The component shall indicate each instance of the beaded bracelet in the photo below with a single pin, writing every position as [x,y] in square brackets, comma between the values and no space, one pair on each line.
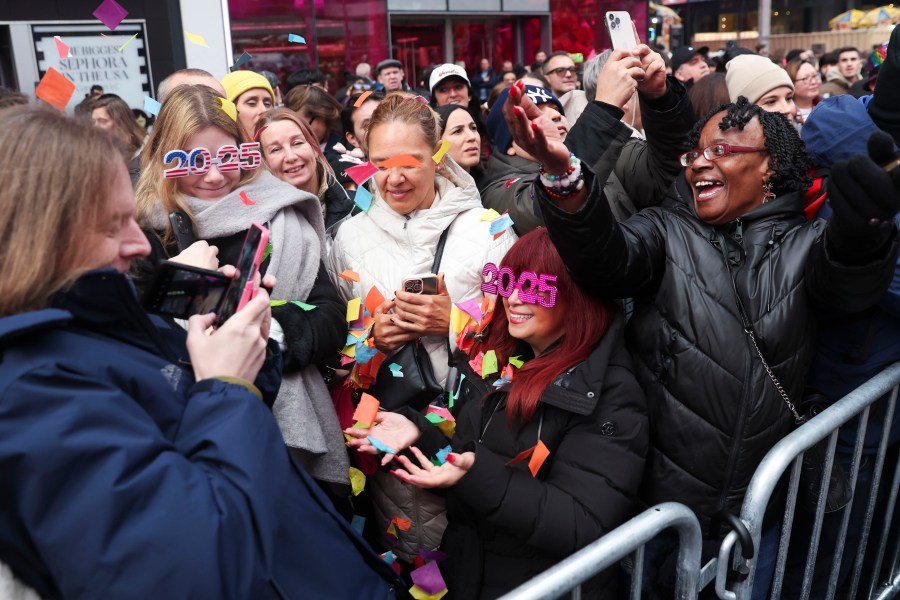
[568,184]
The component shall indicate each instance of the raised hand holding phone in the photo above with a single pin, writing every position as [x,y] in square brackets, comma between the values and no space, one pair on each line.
[244,288]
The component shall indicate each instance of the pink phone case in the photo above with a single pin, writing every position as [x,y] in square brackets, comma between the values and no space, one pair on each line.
[250,288]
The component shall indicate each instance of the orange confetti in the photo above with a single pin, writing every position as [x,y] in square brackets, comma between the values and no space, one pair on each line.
[350,275]
[366,410]
[359,101]
[403,524]
[402,160]
[373,300]
[537,459]
[55,89]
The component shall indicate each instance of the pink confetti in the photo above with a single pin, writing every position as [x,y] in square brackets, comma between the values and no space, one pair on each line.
[110,13]
[361,173]
[429,578]
[61,47]
[472,308]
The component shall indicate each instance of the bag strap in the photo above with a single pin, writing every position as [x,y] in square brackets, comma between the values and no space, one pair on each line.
[439,249]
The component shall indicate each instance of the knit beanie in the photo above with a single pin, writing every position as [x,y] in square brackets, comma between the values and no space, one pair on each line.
[752,76]
[238,82]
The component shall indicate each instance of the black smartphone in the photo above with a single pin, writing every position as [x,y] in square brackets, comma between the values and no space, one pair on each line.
[182,291]
[182,229]
[423,284]
[244,287]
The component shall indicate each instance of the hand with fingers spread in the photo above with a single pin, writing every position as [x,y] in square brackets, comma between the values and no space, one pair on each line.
[618,79]
[652,83]
[387,334]
[394,430]
[427,475]
[534,131]
[423,314]
[199,254]
[237,349]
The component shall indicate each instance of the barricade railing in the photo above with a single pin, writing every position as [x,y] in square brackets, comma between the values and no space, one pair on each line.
[626,539]
[788,452]
[630,538]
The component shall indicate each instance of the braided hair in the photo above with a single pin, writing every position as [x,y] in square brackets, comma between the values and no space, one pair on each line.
[787,152]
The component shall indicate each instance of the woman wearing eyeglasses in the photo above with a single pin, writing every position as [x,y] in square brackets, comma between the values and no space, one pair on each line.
[726,280]
[807,84]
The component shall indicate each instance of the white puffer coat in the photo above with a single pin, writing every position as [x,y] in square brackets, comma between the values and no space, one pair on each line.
[384,248]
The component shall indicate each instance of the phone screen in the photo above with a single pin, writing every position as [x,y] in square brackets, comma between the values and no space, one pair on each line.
[180,292]
[246,267]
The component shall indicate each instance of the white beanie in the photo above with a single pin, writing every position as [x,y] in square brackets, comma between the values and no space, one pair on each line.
[752,76]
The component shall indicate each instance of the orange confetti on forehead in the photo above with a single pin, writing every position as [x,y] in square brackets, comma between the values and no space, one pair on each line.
[402,160]
[359,101]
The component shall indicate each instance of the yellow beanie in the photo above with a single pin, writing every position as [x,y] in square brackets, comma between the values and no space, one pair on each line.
[238,82]
[753,76]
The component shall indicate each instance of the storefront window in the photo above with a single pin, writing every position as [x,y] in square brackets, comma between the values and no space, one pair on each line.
[339,35]
[578,24]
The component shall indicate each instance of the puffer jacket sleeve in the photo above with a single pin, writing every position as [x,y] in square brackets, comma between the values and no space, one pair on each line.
[608,259]
[590,487]
[514,197]
[113,507]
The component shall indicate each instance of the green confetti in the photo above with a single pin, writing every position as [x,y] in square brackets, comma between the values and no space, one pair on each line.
[489,364]
[267,252]
[277,302]
[516,361]
[435,418]
[303,305]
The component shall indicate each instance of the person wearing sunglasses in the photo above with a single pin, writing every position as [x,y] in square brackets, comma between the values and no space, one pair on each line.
[728,280]
[561,72]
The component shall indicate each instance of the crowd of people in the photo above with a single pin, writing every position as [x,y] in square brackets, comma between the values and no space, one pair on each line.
[499,313]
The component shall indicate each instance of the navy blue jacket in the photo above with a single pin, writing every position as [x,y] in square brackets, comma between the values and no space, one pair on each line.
[123,477]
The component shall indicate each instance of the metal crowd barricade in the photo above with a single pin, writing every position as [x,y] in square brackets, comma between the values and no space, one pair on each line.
[568,575]
[789,453]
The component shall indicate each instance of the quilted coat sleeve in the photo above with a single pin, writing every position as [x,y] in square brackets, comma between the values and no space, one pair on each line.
[114,509]
[606,258]
[591,484]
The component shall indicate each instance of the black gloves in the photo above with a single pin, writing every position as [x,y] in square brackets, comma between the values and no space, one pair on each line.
[865,200]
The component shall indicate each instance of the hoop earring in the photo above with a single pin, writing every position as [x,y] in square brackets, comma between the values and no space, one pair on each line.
[768,194]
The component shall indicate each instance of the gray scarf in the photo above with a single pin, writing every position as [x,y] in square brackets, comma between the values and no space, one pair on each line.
[303,408]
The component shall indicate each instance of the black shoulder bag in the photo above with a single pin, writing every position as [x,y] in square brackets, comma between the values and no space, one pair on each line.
[418,387]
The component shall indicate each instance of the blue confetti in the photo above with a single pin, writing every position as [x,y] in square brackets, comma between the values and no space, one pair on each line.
[395,370]
[442,454]
[502,223]
[351,340]
[151,106]
[389,557]
[364,353]
[379,445]
[245,57]
[363,198]
[358,523]
[293,37]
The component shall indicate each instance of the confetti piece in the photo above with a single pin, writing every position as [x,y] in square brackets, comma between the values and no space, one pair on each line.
[476,362]
[489,215]
[131,39]
[228,106]
[244,58]
[110,13]
[259,132]
[396,370]
[361,173]
[433,554]
[196,39]
[246,199]
[516,361]
[458,319]
[359,101]
[441,412]
[421,99]
[267,252]
[297,39]
[388,557]
[521,456]
[373,300]
[353,309]
[509,182]
[429,578]
[379,445]
[303,305]
[501,224]
[357,482]
[419,594]
[366,410]
[489,364]
[537,459]
[350,275]
[55,89]
[277,302]
[439,155]
[442,458]
[402,524]
[358,523]
[472,308]
[435,419]
[448,428]
[364,352]
[61,47]
[402,160]
[151,106]
[363,197]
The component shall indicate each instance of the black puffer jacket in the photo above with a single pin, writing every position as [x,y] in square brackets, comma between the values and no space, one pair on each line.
[714,412]
[506,526]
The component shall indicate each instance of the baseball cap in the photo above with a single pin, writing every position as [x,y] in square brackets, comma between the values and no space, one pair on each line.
[684,54]
[444,71]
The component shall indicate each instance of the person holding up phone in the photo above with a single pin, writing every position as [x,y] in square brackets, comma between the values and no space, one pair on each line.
[135,458]
[222,201]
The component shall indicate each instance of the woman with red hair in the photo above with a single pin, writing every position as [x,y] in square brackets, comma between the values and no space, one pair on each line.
[573,408]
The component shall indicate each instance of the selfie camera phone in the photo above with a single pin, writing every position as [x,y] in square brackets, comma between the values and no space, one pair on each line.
[181,291]
[423,284]
[244,287]
[621,30]
[182,229]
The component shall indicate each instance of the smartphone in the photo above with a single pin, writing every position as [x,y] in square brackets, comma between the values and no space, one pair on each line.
[182,291]
[243,288]
[182,229]
[621,30]
[422,284]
